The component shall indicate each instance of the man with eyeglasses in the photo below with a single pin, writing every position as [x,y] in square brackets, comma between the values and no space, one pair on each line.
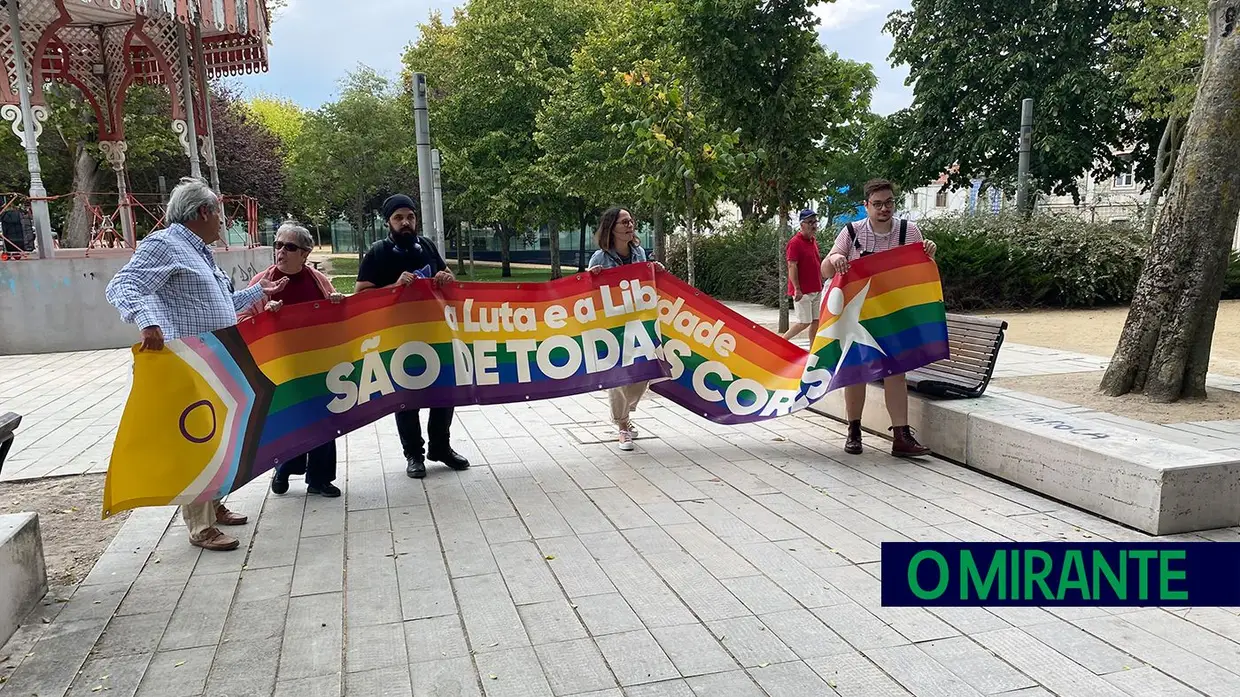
[804,276]
[877,233]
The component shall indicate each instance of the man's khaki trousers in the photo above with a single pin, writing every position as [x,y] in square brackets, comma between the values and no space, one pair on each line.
[199,516]
[623,399]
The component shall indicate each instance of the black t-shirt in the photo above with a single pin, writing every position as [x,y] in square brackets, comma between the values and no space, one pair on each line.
[385,261]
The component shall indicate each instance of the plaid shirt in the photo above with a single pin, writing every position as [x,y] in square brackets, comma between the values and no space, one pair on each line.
[172,282]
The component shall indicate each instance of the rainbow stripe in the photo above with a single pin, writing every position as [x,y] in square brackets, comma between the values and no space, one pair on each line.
[884,317]
[761,378]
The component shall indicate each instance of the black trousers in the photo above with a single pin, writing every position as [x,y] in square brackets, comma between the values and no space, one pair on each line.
[438,425]
[319,465]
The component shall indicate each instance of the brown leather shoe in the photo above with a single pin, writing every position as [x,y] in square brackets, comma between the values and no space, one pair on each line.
[852,445]
[905,445]
[223,516]
[213,540]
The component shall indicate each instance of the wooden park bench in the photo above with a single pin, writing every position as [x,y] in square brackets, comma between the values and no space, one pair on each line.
[8,424]
[974,344]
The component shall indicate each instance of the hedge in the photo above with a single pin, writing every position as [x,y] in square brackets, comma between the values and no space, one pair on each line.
[1047,260]
[986,261]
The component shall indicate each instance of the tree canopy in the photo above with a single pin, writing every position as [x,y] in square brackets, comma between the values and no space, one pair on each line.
[971,64]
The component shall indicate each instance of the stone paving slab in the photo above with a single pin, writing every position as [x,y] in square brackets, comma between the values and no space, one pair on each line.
[712,560]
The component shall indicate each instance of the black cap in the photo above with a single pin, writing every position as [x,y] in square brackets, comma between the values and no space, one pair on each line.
[396,202]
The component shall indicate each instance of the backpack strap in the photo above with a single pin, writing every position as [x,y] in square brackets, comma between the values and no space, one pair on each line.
[852,235]
[903,230]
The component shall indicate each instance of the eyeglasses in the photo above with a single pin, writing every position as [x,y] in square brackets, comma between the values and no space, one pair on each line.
[889,203]
[289,246]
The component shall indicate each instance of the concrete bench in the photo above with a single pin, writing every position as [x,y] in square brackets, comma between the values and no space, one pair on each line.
[1154,485]
[23,572]
[8,425]
[974,343]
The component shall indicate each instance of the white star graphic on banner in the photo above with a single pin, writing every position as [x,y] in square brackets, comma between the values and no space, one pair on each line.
[847,327]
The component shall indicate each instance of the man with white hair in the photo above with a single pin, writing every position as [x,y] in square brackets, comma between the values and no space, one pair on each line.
[173,288]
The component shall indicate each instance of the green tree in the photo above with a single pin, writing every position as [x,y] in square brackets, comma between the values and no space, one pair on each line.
[1164,350]
[1159,53]
[971,64]
[353,152]
[768,77]
[584,153]
[684,158]
[280,115]
[489,76]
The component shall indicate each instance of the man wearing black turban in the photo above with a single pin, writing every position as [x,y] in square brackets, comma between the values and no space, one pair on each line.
[398,260]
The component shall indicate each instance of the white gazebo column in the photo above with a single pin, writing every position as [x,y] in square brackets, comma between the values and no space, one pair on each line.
[204,91]
[30,139]
[114,151]
[189,139]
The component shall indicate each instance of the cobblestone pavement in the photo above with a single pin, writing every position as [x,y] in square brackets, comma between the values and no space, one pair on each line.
[713,560]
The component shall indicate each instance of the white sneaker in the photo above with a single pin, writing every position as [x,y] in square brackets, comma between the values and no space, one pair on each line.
[626,440]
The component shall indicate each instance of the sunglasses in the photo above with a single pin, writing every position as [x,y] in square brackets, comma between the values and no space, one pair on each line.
[289,246]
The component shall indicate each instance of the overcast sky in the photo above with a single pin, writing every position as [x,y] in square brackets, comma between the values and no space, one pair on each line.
[316,42]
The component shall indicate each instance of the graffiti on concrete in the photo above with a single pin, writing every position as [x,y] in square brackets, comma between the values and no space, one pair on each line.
[1062,425]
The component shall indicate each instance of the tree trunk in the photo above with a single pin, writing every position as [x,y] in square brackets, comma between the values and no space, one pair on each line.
[505,256]
[689,224]
[471,254]
[660,236]
[356,216]
[553,234]
[746,206]
[85,183]
[460,248]
[1164,166]
[781,244]
[581,247]
[1164,350]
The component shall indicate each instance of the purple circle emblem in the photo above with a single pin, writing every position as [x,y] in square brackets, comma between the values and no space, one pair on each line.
[185,414]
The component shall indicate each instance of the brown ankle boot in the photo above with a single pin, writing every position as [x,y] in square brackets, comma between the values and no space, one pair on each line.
[852,445]
[905,445]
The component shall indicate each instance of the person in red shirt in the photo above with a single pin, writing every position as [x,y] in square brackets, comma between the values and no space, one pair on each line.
[305,284]
[804,276]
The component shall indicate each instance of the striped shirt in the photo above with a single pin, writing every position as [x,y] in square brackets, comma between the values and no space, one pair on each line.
[868,241]
[172,282]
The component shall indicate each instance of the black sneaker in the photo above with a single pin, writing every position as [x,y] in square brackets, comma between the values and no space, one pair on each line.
[279,483]
[415,467]
[450,458]
[327,491]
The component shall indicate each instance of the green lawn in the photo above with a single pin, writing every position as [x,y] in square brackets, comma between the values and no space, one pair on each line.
[490,274]
[346,266]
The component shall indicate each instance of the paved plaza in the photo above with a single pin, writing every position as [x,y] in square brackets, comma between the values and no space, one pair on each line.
[712,560]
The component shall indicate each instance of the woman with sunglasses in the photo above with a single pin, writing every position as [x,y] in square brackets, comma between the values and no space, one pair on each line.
[305,284]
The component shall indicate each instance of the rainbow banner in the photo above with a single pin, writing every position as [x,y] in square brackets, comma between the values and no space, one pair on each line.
[884,317]
[208,414]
